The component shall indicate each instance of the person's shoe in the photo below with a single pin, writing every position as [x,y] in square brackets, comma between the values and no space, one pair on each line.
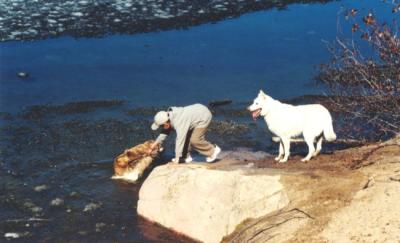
[188,159]
[213,157]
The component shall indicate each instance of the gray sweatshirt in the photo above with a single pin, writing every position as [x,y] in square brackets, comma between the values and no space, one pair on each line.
[184,119]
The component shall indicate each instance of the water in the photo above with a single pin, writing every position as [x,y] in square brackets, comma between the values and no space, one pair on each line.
[70,150]
[232,59]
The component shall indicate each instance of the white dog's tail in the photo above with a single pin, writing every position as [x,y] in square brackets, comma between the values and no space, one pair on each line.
[329,134]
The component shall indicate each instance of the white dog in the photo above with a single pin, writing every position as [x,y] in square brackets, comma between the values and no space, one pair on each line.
[288,121]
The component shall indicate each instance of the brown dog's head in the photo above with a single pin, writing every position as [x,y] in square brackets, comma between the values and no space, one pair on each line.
[127,160]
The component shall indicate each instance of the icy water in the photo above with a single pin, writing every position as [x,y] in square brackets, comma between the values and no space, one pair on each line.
[86,100]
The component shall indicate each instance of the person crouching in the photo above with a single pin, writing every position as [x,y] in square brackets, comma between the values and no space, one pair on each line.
[190,123]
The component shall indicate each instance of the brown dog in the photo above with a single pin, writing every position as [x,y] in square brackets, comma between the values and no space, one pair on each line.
[131,164]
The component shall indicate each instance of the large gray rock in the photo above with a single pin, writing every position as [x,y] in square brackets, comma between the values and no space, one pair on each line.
[207,204]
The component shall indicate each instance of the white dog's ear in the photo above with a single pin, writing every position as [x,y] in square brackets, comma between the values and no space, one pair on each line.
[262,94]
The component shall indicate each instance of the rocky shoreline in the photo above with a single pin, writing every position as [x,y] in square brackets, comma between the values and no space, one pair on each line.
[56,162]
[40,19]
[349,196]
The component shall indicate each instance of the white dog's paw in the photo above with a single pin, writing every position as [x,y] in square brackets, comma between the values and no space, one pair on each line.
[277,158]
[282,160]
[305,160]
[315,153]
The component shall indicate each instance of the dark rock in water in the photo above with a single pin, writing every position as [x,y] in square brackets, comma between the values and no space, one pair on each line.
[232,112]
[30,20]
[228,127]
[39,111]
[23,75]
[143,111]
[219,103]
[6,116]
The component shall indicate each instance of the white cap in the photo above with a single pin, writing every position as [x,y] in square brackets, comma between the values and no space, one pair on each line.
[159,119]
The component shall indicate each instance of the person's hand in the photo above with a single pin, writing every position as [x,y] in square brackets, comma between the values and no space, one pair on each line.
[153,147]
